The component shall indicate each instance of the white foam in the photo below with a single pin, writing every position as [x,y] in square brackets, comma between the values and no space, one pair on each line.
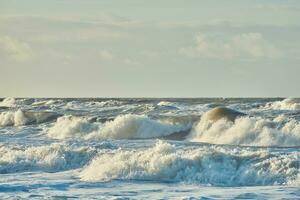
[69,127]
[12,118]
[254,131]
[122,127]
[137,126]
[19,117]
[8,102]
[53,157]
[167,103]
[286,104]
[46,102]
[165,162]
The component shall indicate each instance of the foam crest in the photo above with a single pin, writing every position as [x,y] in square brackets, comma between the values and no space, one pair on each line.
[137,126]
[122,127]
[165,162]
[255,131]
[46,102]
[286,104]
[69,127]
[48,158]
[168,104]
[8,102]
[19,117]
[12,118]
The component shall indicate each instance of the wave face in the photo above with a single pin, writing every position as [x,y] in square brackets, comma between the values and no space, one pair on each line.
[164,162]
[255,131]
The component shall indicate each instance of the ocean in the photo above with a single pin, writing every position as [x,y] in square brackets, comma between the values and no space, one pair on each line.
[143,148]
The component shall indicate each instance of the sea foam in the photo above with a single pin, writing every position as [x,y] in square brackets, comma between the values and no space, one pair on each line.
[8,102]
[286,104]
[122,127]
[255,131]
[48,158]
[20,117]
[165,162]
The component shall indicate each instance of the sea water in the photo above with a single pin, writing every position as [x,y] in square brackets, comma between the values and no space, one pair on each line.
[122,149]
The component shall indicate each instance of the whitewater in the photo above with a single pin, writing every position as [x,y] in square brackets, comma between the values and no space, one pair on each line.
[143,148]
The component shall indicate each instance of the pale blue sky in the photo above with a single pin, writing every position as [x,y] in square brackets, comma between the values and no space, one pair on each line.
[135,48]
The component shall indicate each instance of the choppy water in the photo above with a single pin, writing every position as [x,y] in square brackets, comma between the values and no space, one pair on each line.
[149,148]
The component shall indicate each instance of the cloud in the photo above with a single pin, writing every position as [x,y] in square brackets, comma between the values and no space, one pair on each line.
[13,49]
[57,30]
[106,55]
[279,7]
[132,63]
[244,46]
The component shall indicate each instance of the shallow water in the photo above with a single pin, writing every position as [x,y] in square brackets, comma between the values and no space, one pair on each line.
[121,148]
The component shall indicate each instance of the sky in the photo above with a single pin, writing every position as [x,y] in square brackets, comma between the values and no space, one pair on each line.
[157,48]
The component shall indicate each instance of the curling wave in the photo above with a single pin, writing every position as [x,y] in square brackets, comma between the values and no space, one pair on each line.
[165,162]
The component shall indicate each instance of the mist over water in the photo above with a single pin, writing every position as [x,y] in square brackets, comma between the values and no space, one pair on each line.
[85,147]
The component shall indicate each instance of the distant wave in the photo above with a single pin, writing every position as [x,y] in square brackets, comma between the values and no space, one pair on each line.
[20,117]
[165,162]
[255,131]
[78,105]
[45,102]
[122,127]
[168,104]
[286,104]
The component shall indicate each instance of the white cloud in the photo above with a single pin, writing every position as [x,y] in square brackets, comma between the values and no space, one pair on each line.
[106,55]
[79,35]
[244,46]
[278,7]
[13,49]
[57,30]
[132,63]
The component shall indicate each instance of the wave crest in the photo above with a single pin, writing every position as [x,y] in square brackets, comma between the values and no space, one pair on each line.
[286,104]
[69,127]
[19,117]
[8,102]
[254,131]
[122,127]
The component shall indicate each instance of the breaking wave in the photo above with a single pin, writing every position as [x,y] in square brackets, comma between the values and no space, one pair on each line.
[50,158]
[286,104]
[254,131]
[19,117]
[46,102]
[8,102]
[165,162]
[69,127]
[122,127]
